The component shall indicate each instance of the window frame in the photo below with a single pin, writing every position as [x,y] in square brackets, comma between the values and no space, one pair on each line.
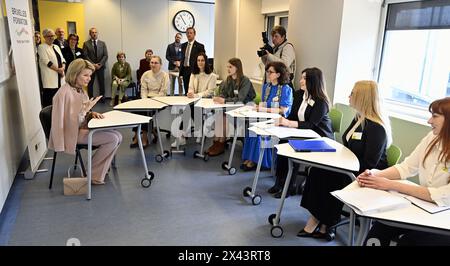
[408,112]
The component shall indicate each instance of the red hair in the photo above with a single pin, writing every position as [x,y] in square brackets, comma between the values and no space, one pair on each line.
[442,107]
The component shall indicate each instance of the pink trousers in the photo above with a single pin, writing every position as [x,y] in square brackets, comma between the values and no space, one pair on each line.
[108,142]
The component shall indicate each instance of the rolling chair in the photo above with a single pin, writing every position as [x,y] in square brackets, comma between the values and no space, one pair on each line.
[46,121]
[393,154]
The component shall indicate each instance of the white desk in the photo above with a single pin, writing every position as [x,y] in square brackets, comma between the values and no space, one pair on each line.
[342,161]
[246,115]
[411,217]
[147,104]
[208,105]
[270,138]
[177,101]
[114,120]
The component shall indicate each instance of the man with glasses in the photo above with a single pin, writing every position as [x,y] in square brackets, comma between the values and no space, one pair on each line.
[60,41]
[96,52]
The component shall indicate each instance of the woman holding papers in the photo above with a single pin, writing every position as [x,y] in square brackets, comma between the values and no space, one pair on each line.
[431,161]
[367,136]
[236,88]
[276,97]
[70,116]
[309,111]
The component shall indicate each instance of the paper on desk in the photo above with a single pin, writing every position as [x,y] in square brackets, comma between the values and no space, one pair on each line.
[264,124]
[285,132]
[427,206]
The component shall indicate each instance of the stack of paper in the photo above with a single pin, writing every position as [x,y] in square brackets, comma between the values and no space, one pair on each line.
[427,206]
[368,200]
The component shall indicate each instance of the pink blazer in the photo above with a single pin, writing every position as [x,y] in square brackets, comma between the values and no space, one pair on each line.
[67,105]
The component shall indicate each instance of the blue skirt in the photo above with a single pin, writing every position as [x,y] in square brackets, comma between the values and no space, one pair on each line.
[251,151]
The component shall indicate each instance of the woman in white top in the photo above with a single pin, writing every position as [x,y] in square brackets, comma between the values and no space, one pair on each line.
[52,66]
[431,161]
[154,82]
[201,84]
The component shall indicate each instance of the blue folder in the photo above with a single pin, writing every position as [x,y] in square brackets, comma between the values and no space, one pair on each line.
[311,146]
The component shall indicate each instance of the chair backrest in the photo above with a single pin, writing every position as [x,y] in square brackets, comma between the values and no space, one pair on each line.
[336,119]
[46,120]
[393,155]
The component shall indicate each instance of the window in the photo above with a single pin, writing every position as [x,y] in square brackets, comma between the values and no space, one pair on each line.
[415,60]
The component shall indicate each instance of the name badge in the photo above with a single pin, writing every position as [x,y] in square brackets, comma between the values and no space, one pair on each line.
[357,136]
[236,92]
[275,99]
[77,53]
[445,169]
[311,102]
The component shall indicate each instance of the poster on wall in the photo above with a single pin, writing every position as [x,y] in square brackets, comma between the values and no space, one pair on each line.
[6,63]
[22,43]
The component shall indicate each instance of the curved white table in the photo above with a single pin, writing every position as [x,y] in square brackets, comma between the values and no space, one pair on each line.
[342,161]
[114,120]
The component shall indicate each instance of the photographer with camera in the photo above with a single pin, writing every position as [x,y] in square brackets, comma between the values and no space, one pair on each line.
[283,51]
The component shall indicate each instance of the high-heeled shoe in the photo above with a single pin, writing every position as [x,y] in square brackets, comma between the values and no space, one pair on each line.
[274,189]
[303,233]
[328,235]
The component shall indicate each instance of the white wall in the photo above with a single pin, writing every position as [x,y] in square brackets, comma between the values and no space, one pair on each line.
[274,6]
[357,46]
[134,26]
[314,29]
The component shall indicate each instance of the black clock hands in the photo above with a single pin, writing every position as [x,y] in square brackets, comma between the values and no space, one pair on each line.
[183,20]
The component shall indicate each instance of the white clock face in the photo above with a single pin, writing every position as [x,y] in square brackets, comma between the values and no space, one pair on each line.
[183,20]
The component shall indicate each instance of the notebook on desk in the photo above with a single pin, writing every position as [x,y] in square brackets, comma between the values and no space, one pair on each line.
[311,146]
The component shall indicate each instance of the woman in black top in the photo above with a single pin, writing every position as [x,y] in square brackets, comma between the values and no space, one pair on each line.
[309,111]
[72,51]
[367,137]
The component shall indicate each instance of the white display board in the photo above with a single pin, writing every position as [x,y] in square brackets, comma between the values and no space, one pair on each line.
[22,43]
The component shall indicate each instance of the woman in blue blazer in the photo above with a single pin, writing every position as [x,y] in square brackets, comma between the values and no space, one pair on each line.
[367,136]
[309,111]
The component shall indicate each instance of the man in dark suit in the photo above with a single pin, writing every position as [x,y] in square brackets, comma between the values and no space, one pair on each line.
[96,52]
[189,50]
[60,41]
[173,55]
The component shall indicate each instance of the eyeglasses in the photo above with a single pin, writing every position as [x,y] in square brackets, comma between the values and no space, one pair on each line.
[270,72]
[49,36]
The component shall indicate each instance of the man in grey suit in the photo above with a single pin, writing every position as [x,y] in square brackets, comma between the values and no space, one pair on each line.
[96,52]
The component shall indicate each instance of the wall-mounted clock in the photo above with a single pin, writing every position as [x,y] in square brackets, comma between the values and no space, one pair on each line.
[182,20]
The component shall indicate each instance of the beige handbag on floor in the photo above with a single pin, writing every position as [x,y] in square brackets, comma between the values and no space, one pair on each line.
[74,185]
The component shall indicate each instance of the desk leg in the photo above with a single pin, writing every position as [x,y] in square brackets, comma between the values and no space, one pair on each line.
[351,228]
[146,181]
[274,219]
[89,177]
[164,154]
[250,192]
[228,165]
[364,226]
[201,154]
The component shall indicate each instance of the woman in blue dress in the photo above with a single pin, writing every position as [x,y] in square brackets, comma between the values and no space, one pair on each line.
[276,97]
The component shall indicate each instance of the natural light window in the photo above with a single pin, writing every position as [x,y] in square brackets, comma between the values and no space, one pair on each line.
[415,61]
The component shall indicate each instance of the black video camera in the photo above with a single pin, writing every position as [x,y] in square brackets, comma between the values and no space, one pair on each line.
[262,51]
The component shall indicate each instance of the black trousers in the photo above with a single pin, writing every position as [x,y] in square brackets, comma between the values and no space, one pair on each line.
[317,198]
[100,74]
[47,96]
[186,77]
[382,235]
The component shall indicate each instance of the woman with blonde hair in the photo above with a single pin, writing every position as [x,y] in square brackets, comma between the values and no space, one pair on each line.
[121,77]
[368,136]
[71,113]
[431,161]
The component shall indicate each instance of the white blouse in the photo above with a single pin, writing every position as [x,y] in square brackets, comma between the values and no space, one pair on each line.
[303,105]
[153,85]
[434,174]
[202,84]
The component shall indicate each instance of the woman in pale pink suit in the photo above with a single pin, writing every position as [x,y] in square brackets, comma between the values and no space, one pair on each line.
[70,115]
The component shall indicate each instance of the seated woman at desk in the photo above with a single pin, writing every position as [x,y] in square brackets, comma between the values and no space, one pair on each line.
[201,84]
[309,111]
[70,116]
[276,97]
[121,77]
[431,161]
[154,82]
[367,136]
[237,88]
